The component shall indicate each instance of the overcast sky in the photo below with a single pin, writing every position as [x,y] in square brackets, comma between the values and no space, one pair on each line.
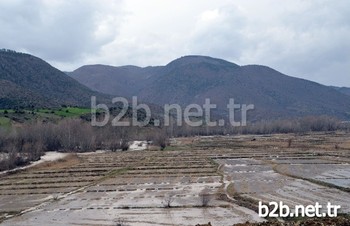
[307,39]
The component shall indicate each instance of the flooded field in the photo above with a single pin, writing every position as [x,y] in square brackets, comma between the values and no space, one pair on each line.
[195,180]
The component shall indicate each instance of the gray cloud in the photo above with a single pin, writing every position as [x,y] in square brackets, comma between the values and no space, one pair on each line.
[60,31]
[307,39]
[219,32]
[314,43]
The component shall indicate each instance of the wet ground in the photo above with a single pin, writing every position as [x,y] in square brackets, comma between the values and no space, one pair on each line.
[167,187]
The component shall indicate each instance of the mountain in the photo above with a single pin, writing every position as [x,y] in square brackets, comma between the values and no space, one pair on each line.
[344,90]
[191,79]
[27,81]
[122,81]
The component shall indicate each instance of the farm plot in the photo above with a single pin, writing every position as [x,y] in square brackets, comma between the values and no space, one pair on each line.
[255,179]
[25,189]
[331,172]
[139,187]
[217,179]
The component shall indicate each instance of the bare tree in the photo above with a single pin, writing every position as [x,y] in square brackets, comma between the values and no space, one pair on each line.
[161,140]
[205,197]
[168,200]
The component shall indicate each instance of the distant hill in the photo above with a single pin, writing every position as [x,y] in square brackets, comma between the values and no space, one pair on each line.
[344,90]
[191,79]
[124,81]
[27,81]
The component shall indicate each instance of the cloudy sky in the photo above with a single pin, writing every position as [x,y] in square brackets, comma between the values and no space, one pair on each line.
[307,39]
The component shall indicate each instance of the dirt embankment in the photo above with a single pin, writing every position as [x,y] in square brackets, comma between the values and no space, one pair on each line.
[338,221]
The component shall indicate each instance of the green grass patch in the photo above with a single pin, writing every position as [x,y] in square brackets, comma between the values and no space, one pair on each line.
[6,110]
[5,122]
[64,112]
[72,112]
[7,116]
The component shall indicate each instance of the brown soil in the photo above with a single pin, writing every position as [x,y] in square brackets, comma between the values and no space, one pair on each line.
[338,221]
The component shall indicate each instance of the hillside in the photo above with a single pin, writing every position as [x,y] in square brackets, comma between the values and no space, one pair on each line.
[27,81]
[344,90]
[191,79]
[118,81]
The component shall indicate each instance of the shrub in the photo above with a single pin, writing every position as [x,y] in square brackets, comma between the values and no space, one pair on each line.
[168,200]
[205,197]
[160,140]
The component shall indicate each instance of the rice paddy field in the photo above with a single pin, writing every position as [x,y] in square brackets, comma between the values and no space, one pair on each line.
[217,179]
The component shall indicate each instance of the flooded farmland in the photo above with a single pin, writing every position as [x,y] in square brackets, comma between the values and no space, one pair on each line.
[194,181]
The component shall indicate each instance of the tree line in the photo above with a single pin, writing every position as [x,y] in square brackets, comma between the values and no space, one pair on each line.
[29,141]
